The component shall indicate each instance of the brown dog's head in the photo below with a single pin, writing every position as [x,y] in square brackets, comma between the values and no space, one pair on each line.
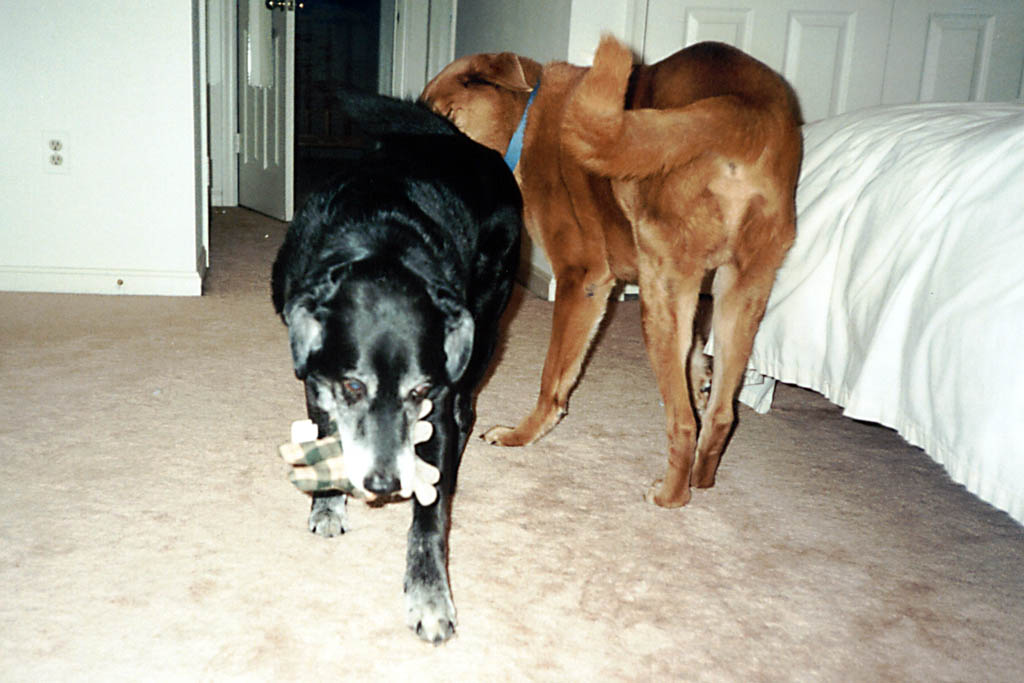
[484,95]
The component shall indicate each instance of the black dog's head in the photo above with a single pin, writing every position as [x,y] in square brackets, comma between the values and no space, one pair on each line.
[372,341]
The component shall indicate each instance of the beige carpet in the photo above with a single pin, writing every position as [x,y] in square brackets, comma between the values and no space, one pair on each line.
[148,532]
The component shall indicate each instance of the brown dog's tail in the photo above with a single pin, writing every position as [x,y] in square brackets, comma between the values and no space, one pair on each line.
[611,141]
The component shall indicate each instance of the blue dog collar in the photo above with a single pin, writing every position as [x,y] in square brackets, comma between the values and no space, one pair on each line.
[515,146]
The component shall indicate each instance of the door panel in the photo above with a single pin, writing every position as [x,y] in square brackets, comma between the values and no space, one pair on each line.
[949,50]
[266,108]
[831,51]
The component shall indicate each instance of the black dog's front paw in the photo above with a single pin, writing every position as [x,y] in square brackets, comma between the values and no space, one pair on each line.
[430,612]
[328,517]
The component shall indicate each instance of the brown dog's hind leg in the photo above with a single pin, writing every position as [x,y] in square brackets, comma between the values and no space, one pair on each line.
[739,303]
[669,300]
[580,303]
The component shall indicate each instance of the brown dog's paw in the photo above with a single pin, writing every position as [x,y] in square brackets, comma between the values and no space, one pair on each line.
[702,479]
[656,495]
[502,436]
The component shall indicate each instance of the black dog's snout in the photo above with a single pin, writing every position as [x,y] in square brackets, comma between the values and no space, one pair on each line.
[381,484]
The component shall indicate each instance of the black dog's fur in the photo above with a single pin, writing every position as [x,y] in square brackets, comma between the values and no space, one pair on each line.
[392,282]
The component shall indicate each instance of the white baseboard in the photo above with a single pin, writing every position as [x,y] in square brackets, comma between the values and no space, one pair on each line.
[100,281]
[537,280]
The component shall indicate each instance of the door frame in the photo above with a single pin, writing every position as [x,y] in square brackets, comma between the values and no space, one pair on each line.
[222,93]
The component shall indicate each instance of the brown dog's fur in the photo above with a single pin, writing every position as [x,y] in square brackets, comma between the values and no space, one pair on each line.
[657,175]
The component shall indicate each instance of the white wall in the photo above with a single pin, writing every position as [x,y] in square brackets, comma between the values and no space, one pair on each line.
[546,30]
[538,29]
[115,81]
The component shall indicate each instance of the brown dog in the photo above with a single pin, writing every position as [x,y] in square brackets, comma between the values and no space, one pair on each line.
[656,175]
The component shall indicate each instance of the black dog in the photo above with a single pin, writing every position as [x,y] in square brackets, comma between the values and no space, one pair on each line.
[392,283]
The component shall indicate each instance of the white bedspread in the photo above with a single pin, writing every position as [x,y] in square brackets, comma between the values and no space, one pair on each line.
[903,297]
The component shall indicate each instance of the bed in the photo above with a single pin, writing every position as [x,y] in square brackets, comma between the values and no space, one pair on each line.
[902,299]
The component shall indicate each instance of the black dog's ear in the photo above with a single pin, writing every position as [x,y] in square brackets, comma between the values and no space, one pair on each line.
[458,342]
[306,333]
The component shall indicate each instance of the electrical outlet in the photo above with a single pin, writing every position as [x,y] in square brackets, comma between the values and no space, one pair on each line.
[56,151]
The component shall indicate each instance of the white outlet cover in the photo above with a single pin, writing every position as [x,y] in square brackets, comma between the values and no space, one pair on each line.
[47,151]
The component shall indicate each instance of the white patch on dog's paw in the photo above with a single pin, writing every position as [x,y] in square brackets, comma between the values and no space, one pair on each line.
[430,616]
[328,517]
[327,524]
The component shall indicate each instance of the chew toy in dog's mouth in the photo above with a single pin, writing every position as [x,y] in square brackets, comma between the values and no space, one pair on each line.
[319,464]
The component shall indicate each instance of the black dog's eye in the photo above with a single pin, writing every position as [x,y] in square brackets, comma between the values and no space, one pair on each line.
[420,392]
[354,389]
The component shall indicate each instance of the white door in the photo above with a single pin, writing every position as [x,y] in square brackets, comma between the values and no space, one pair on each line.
[831,51]
[952,50]
[423,43]
[266,106]
[417,37]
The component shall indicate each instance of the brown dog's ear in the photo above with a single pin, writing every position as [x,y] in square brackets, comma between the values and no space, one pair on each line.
[502,69]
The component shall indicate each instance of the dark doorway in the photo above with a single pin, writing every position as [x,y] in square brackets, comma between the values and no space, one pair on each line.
[337,48]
